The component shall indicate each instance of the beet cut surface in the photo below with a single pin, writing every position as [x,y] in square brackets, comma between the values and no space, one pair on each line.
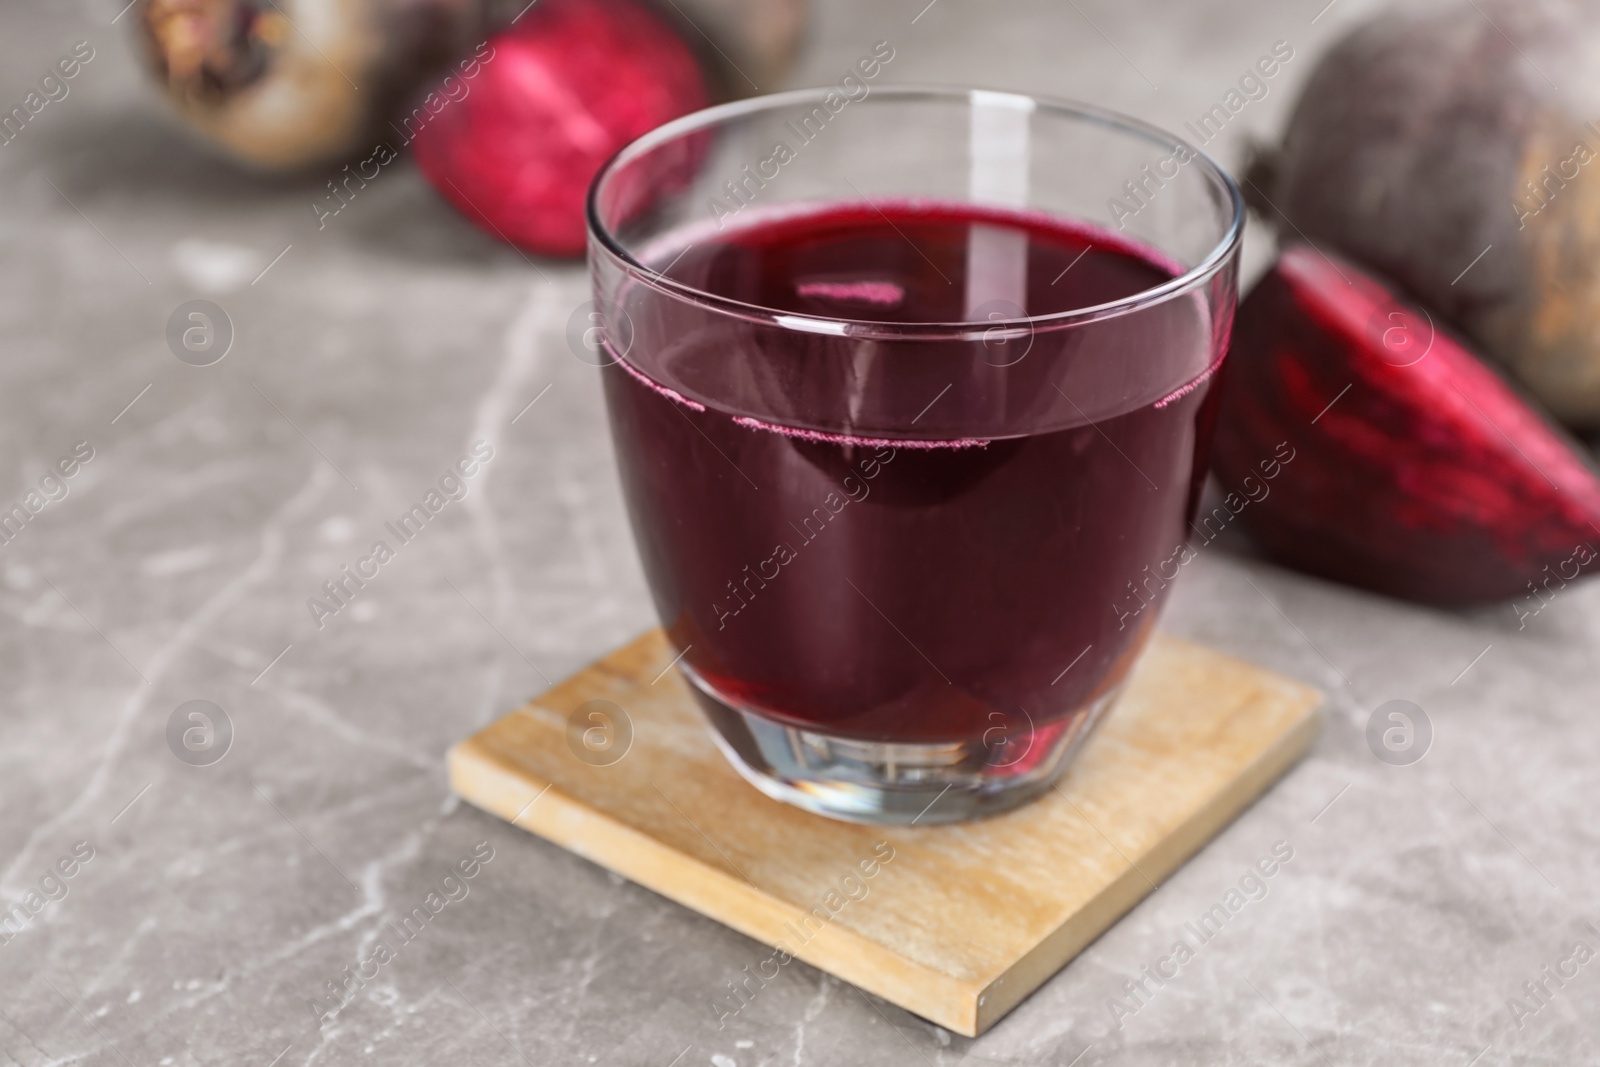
[567,86]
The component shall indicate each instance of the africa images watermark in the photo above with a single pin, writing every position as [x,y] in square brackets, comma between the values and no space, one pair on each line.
[53,88]
[1541,595]
[199,732]
[1209,528]
[451,890]
[52,888]
[52,488]
[852,887]
[1252,888]
[742,190]
[1253,87]
[599,732]
[810,528]
[1399,732]
[199,333]
[452,90]
[1542,195]
[341,590]
[1553,978]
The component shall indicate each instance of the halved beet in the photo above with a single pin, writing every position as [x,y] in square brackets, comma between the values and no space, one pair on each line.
[562,90]
[1416,470]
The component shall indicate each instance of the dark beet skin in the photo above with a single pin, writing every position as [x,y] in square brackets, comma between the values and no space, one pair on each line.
[243,75]
[1412,149]
[1427,478]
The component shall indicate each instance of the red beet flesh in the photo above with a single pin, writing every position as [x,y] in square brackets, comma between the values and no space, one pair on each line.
[566,86]
[1427,478]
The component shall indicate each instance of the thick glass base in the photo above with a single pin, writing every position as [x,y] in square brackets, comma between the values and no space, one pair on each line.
[889,783]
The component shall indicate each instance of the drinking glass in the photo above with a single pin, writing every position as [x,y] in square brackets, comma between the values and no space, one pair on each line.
[908,505]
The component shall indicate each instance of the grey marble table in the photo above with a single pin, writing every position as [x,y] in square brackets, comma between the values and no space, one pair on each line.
[208,904]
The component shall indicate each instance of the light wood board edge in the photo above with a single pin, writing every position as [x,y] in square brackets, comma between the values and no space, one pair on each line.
[487,781]
[1134,884]
[966,1007]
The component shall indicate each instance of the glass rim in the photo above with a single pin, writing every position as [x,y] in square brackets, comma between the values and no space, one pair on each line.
[707,118]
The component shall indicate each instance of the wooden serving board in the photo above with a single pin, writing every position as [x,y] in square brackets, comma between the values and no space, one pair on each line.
[960,922]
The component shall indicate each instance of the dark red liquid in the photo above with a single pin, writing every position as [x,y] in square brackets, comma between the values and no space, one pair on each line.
[837,561]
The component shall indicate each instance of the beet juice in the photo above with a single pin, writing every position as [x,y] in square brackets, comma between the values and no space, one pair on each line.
[911,390]
[954,537]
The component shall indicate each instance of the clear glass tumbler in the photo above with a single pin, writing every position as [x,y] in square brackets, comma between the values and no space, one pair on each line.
[911,391]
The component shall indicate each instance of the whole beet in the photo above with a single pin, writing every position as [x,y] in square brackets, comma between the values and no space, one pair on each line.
[1459,136]
[289,84]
